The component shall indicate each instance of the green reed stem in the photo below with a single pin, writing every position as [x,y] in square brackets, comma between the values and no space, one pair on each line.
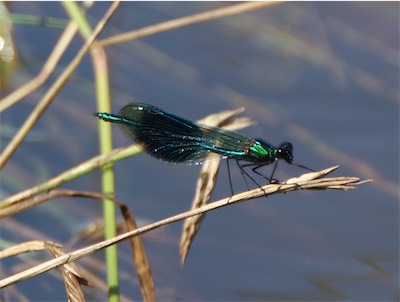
[99,59]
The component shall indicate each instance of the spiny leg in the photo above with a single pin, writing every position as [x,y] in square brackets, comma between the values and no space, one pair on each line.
[245,173]
[271,180]
[257,166]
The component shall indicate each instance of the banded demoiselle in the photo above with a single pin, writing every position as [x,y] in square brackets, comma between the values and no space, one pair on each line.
[175,139]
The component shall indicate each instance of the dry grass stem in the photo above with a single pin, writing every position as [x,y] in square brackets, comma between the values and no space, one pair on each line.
[26,247]
[185,21]
[25,204]
[309,181]
[70,271]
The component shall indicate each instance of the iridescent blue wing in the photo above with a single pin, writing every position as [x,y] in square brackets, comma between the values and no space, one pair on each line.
[175,139]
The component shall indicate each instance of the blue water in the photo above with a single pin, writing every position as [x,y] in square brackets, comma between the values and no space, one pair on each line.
[324,76]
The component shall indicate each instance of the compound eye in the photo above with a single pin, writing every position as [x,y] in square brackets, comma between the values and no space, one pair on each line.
[285,152]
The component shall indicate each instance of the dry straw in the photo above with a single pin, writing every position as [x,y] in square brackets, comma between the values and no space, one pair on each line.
[308,181]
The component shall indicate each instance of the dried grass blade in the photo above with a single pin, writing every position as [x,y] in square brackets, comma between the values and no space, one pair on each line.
[207,178]
[70,271]
[25,247]
[204,188]
[72,277]
[140,260]
[25,204]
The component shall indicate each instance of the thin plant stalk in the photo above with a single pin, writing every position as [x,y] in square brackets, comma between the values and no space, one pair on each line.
[73,173]
[107,178]
[99,59]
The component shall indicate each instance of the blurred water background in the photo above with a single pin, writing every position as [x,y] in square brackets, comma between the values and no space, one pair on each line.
[324,76]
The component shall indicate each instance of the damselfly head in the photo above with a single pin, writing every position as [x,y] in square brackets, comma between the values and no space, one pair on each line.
[285,151]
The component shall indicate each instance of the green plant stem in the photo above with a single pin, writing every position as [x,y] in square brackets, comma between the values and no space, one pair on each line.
[99,59]
[108,184]
[74,173]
